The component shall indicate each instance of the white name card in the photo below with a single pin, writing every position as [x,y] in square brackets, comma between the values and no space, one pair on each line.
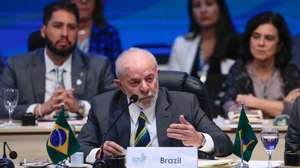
[161,157]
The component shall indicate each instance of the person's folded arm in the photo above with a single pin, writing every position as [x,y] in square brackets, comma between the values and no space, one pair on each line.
[269,107]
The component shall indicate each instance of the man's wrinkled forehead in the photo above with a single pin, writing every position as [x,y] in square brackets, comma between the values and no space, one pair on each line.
[141,71]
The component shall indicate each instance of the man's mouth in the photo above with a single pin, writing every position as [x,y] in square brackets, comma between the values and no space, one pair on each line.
[146,97]
[63,42]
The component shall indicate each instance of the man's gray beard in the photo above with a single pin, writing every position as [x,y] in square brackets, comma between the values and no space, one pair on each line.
[147,105]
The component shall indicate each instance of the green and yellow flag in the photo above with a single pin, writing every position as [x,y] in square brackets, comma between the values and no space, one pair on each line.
[62,142]
[245,139]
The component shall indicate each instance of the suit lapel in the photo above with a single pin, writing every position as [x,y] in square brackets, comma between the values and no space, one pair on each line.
[37,75]
[123,125]
[163,118]
[79,74]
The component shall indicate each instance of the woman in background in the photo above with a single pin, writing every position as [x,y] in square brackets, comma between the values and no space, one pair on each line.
[95,34]
[206,50]
[264,79]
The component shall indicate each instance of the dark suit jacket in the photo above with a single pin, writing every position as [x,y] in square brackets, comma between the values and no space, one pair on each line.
[292,138]
[296,50]
[170,105]
[27,73]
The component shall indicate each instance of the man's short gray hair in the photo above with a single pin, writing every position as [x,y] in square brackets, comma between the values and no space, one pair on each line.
[119,62]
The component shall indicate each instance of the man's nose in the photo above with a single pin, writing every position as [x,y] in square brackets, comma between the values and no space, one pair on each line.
[64,31]
[144,87]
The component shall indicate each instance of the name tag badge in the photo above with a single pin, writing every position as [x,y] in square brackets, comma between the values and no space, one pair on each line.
[161,157]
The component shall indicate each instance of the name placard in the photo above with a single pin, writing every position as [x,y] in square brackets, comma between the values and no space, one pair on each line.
[161,157]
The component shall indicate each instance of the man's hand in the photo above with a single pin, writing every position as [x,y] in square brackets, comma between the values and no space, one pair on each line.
[71,103]
[53,104]
[111,148]
[186,133]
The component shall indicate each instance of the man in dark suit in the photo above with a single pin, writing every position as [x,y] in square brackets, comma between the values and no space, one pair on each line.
[292,138]
[167,118]
[59,73]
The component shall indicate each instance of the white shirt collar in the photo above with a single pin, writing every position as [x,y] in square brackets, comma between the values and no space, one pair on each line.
[134,111]
[50,65]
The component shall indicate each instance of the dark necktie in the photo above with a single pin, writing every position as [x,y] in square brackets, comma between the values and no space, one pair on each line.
[142,136]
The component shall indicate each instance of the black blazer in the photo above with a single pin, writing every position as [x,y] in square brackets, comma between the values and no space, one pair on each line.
[292,138]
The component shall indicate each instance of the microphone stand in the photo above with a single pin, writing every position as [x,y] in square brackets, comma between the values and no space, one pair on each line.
[100,163]
[5,162]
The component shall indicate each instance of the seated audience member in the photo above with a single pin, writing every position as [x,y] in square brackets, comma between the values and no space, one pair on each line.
[292,138]
[170,118]
[207,50]
[264,79]
[95,34]
[58,73]
[2,65]
[296,50]
[3,113]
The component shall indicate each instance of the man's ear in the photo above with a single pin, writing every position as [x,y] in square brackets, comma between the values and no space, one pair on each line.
[118,83]
[42,31]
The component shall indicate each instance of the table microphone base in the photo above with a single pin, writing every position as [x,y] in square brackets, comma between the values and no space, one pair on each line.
[112,162]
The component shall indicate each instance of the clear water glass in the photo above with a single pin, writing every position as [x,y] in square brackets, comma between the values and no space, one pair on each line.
[269,138]
[10,100]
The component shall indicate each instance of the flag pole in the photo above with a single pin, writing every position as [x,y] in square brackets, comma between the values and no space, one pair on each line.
[242,164]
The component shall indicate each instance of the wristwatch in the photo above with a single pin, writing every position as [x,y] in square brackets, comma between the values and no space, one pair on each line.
[203,141]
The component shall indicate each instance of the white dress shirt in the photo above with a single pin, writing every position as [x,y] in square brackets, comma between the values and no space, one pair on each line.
[51,83]
[134,112]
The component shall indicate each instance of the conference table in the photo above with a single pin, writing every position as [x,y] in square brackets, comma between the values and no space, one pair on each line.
[30,141]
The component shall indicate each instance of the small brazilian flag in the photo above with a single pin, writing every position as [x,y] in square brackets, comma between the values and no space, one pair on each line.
[245,139]
[62,142]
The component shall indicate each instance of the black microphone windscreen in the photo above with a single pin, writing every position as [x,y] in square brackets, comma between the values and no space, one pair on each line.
[13,155]
[134,98]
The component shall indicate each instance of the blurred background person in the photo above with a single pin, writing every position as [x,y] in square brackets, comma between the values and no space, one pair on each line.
[292,138]
[96,35]
[296,50]
[2,65]
[264,78]
[206,50]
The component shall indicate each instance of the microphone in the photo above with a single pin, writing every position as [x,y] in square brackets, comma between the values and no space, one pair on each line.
[12,154]
[100,163]
[5,162]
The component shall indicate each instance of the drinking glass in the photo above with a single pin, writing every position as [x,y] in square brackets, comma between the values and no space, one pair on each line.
[10,98]
[269,138]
